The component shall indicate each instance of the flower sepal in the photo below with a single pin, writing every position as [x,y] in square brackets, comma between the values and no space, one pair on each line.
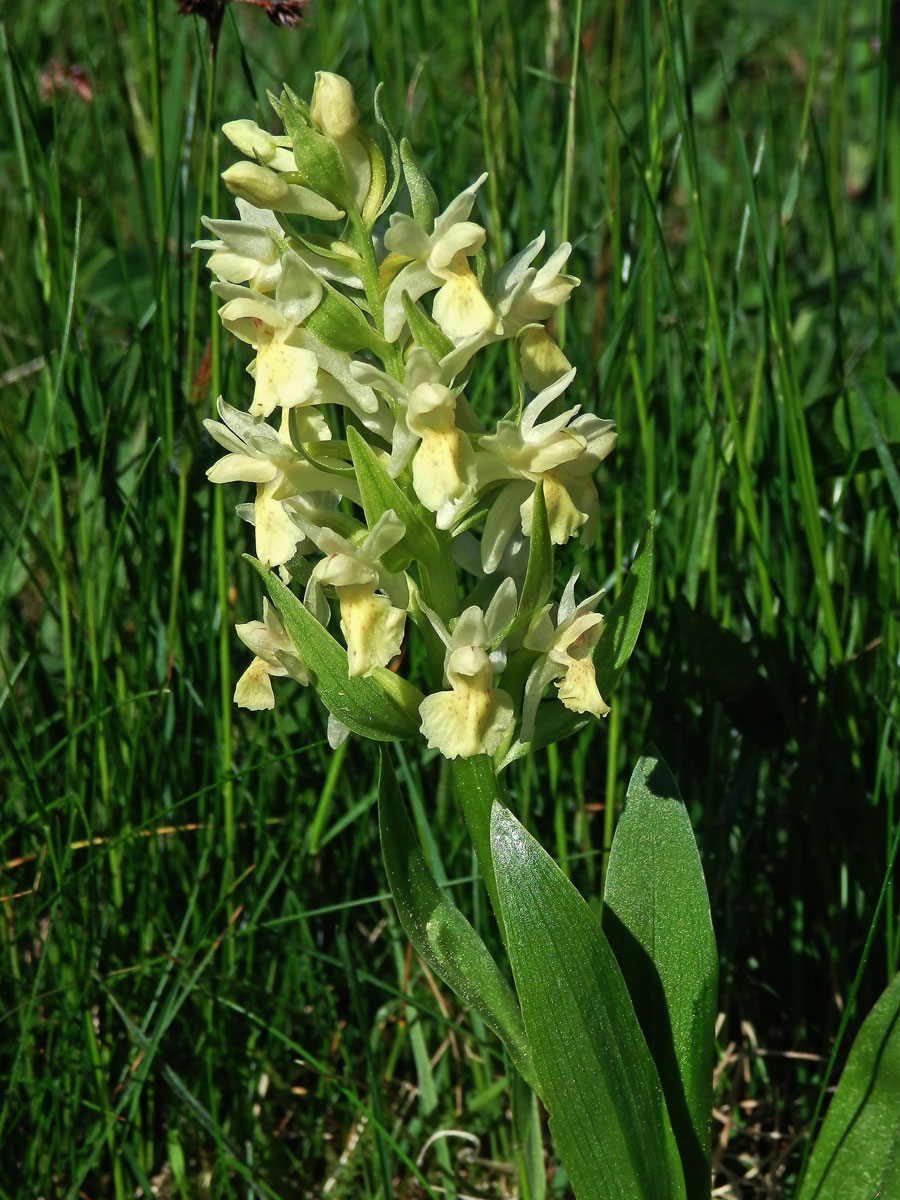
[374,196]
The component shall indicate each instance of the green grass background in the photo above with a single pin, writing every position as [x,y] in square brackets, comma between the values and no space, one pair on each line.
[202,987]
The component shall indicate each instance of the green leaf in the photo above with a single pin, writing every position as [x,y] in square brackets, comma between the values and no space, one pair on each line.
[379,494]
[425,332]
[341,324]
[857,1153]
[607,1113]
[858,425]
[439,932]
[656,916]
[421,193]
[395,154]
[383,706]
[623,622]
[883,399]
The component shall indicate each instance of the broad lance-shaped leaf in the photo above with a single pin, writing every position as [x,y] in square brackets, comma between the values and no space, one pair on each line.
[857,1153]
[439,932]
[607,1113]
[656,916]
[383,705]
[621,627]
[379,494]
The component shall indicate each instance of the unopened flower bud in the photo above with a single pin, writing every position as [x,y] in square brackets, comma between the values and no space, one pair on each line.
[333,109]
[256,143]
[266,189]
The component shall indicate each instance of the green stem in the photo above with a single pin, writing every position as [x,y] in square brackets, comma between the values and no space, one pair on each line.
[205,153]
[164,323]
[326,799]
[439,586]
[477,787]
[569,167]
[368,273]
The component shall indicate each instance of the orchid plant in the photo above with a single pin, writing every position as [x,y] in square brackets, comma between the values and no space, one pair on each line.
[388,511]
[407,544]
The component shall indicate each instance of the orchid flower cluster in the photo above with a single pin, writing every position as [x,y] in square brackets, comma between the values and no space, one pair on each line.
[381,495]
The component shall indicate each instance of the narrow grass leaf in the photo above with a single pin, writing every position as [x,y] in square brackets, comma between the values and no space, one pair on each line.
[607,1113]
[656,916]
[380,706]
[857,1154]
[623,622]
[529,1142]
[886,431]
[439,932]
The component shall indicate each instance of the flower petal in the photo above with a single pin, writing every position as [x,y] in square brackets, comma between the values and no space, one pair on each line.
[372,628]
[254,688]
[460,307]
[466,721]
[241,468]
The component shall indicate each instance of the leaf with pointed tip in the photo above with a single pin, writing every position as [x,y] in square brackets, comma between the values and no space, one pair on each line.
[425,332]
[421,193]
[439,932]
[656,916]
[379,494]
[395,153]
[607,1112]
[857,1152]
[623,623]
[383,706]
